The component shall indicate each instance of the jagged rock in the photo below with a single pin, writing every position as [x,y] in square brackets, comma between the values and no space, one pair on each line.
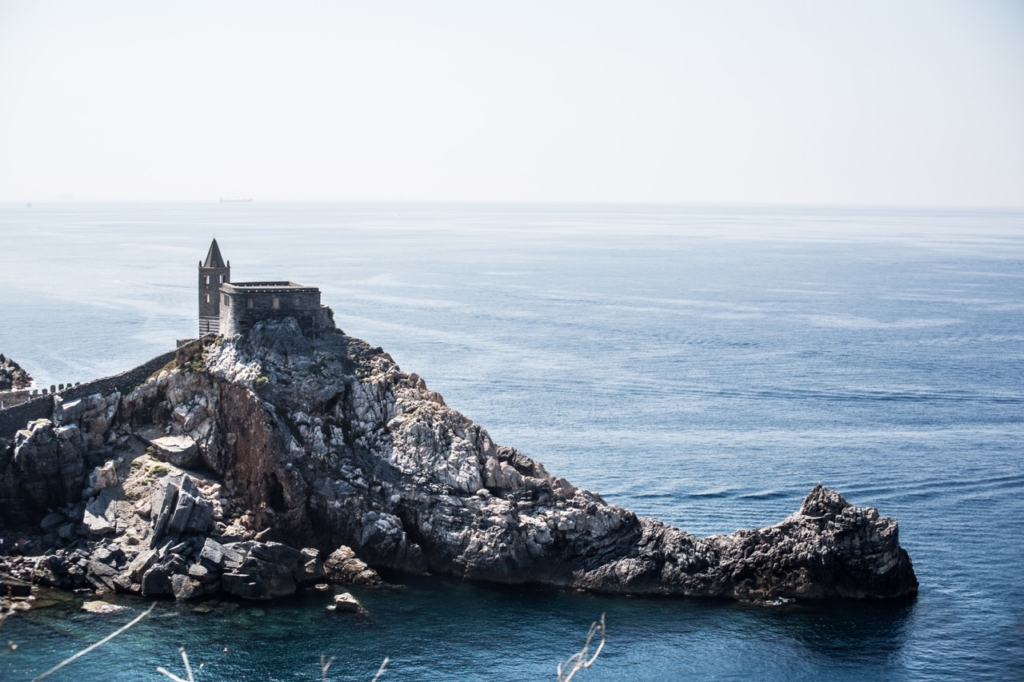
[185,587]
[156,581]
[46,472]
[179,519]
[179,507]
[98,517]
[96,525]
[9,585]
[212,554]
[181,451]
[68,412]
[123,583]
[161,507]
[344,568]
[109,554]
[142,563]
[104,477]
[51,521]
[12,376]
[51,571]
[311,568]
[100,575]
[234,554]
[276,553]
[203,573]
[258,579]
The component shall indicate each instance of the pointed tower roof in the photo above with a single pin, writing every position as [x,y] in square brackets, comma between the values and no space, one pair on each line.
[213,257]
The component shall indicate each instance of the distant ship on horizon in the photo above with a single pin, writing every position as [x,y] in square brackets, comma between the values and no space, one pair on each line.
[235,200]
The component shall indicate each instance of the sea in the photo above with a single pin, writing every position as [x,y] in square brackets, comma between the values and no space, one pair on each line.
[705,365]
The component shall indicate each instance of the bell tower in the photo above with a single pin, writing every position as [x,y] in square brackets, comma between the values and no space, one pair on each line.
[212,273]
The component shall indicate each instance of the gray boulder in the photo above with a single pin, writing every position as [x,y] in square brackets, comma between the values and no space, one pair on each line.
[181,451]
[156,582]
[185,587]
[104,477]
[346,603]
[258,579]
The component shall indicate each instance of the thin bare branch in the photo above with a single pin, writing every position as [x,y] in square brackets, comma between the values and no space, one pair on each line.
[161,669]
[582,658]
[324,667]
[103,641]
[188,668]
[380,670]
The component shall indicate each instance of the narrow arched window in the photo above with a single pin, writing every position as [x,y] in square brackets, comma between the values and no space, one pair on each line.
[207,298]
[222,279]
[207,280]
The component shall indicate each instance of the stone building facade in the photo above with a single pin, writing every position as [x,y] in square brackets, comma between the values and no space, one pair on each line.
[229,308]
[244,304]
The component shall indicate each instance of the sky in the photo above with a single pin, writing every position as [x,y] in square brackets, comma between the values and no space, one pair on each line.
[910,103]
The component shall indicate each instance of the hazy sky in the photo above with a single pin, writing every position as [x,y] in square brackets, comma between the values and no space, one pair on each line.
[915,103]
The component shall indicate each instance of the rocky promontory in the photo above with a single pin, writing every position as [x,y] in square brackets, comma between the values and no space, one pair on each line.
[12,376]
[253,464]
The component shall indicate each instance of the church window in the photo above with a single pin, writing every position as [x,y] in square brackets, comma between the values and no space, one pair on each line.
[207,280]
[207,298]
[276,303]
[248,303]
[227,301]
[222,279]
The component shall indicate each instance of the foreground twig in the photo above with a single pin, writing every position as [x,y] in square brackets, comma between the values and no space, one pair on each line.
[188,669]
[324,667]
[86,650]
[580,660]
[380,670]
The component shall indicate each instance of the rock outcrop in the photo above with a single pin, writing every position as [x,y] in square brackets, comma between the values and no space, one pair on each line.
[237,471]
[12,376]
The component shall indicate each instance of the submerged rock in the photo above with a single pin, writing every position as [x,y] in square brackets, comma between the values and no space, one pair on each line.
[103,608]
[295,448]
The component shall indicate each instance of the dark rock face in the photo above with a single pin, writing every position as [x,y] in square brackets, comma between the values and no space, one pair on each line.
[322,442]
[46,470]
[12,376]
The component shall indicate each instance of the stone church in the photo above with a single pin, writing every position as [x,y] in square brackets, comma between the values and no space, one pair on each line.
[229,308]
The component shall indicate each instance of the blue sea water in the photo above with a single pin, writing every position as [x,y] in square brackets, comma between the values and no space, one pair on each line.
[704,365]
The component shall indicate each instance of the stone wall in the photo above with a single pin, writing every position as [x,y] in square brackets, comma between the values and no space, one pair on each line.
[14,418]
[23,395]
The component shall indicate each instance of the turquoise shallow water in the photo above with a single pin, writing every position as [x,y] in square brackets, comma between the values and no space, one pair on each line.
[707,366]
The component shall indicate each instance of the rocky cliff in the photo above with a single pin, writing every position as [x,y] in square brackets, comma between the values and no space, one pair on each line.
[247,460]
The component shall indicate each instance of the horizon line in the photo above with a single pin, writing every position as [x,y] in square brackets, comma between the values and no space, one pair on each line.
[1011,208]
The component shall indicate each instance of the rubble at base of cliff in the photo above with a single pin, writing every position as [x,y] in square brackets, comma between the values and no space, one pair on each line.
[273,460]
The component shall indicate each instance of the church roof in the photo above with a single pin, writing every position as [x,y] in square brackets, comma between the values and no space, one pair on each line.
[213,257]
